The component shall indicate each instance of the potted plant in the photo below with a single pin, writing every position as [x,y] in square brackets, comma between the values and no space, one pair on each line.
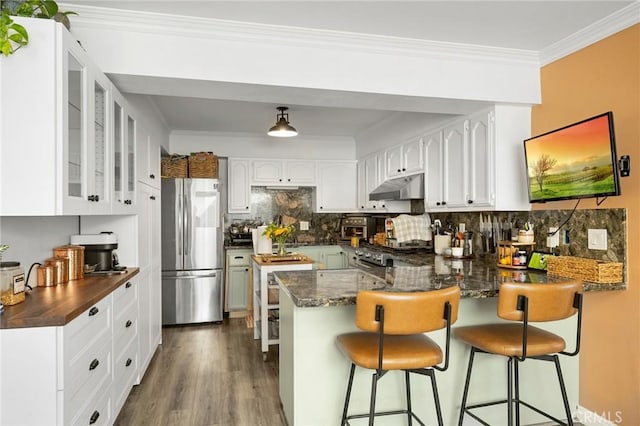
[279,234]
[13,35]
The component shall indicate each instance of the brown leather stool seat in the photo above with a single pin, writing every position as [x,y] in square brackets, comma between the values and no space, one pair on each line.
[519,341]
[392,339]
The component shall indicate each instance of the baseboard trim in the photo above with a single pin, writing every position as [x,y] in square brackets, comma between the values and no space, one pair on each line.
[589,418]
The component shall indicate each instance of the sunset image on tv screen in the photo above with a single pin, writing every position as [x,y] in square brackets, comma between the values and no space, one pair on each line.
[572,162]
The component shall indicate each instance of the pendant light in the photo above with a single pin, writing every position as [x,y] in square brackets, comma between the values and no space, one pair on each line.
[282,129]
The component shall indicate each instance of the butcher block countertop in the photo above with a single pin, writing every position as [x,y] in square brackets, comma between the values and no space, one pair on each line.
[59,305]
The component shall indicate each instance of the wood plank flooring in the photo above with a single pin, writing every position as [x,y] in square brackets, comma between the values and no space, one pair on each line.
[211,374]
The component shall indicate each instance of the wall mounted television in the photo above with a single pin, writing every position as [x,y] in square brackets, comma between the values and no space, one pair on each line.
[573,162]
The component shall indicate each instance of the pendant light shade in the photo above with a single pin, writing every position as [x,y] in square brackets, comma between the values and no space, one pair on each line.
[282,129]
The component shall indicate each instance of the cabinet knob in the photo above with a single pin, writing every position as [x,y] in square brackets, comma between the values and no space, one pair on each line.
[374,207]
[128,284]
[288,180]
[470,201]
[128,324]
[152,176]
[362,207]
[94,364]
[94,417]
[444,203]
[91,198]
[404,170]
[128,363]
[247,207]
[438,203]
[246,269]
[153,197]
[279,180]
[384,205]
[399,170]
[320,207]
[93,311]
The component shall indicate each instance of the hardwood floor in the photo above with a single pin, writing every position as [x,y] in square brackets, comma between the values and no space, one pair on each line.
[211,374]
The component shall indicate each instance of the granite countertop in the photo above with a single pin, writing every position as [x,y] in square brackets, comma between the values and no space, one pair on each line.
[477,278]
[59,305]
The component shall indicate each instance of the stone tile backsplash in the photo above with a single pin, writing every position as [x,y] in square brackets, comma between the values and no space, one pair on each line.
[294,205]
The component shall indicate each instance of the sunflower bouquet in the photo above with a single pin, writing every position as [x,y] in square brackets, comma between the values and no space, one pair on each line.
[279,234]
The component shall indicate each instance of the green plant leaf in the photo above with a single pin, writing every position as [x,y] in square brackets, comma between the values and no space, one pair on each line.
[5,47]
[20,30]
[50,8]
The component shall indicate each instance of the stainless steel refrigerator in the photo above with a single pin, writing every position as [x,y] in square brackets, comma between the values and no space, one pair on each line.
[192,239]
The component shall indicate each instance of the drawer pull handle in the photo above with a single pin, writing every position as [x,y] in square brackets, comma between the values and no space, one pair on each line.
[128,284]
[94,364]
[128,363]
[128,324]
[94,417]
[238,257]
[93,311]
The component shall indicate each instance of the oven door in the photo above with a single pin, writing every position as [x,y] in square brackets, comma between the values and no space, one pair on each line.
[349,231]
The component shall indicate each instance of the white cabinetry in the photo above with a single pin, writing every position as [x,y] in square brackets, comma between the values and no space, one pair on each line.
[405,159]
[79,373]
[283,172]
[239,186]
[124,153]
[324,257]
[148,157]
[336,187]
[54,149]
[462,172]
[370,176]
[149,279]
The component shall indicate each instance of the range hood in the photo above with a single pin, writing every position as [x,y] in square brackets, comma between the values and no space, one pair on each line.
[404,188]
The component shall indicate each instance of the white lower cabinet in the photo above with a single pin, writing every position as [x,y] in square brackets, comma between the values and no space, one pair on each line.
[79,373]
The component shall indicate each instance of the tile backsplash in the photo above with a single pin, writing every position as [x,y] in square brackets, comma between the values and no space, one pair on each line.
[294,205]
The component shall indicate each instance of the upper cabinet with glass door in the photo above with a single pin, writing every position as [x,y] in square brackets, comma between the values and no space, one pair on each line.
[124,156]
[54,130]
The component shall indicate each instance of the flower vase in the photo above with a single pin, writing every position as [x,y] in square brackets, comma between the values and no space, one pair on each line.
[282,248]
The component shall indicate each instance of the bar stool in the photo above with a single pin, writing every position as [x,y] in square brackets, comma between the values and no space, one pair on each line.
[524,303]
[392,339]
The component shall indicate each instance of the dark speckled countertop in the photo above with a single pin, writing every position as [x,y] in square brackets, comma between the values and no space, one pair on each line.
[477,278]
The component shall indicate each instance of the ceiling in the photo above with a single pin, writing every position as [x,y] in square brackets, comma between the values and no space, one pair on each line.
[515,24]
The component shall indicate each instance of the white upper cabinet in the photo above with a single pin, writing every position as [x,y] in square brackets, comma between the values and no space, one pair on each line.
[283,172]
[147,157]
[54,135]
[370,173]
[124,156]
[462,158]
[239,186]
[405,159]
[336,187]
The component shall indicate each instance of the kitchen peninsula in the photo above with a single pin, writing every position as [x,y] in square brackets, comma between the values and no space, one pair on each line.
[317,305]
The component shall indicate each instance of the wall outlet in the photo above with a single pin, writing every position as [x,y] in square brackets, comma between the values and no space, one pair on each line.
[597,239]
[304,225]
[554,240]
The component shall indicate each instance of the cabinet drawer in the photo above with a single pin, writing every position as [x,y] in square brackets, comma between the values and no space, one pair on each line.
[97,408]
[93,369]
[90,327]
[125,328]
[124,375]
[239,259]
[126,292]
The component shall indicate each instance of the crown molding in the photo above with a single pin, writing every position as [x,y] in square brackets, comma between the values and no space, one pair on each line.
[618,21]
[92,17]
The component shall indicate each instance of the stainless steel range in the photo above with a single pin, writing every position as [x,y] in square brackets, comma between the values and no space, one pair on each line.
[374,257]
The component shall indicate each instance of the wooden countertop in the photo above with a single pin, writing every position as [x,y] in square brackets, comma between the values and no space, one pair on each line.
[273,260]
[59,305]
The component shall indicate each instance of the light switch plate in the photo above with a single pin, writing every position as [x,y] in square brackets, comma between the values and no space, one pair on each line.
[553,241]
[304,225]
[597,239]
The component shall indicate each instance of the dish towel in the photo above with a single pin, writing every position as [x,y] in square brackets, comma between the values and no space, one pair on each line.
[407,227]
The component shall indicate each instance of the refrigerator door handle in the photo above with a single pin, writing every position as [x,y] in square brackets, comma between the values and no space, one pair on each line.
[187,217]
[179,213]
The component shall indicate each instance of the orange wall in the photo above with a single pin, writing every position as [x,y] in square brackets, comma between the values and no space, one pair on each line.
[601,77]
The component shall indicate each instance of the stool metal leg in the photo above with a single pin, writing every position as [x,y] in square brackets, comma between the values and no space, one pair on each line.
[408,389]
[517,386]
[565,400]
[436,398]
[466,387]
[510,392]
[372,408]
[348,396]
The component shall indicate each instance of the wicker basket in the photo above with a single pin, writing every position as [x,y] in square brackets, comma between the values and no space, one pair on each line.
[203,165]
[591,270]
[175,166]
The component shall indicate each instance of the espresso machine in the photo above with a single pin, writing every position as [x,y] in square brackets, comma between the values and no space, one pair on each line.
[99,252]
